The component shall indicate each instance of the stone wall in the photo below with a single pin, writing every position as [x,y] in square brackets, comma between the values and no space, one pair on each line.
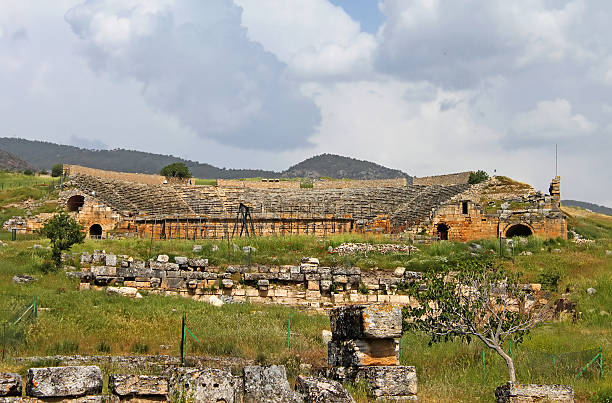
[70,170]
[258,184]
[307,284]
[444,180]
[358,183]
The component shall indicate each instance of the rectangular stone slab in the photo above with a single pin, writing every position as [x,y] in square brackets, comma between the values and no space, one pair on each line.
[138,385]
[205,384]
[392,383]
[72,381]
[379,321]
[362,352]
[523,393]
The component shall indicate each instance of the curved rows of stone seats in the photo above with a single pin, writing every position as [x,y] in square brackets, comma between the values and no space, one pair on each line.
[407,205]
[422,206]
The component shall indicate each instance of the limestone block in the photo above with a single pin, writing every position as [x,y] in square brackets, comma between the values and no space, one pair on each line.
[309,269]
[254,276]
[107,280]
[322,390]
[110,259]
[263,285]
[174,282]
[340,279]
[227,283]
[346,271]
[130,292]
[413,275]
[519,393]
[174,273]
[197,263]
[313,285]
[138,385]
[268,385]
[104,271]
[64,381]
[399,272]
[281,292]
[163,258]
[283,276]
[366,321]
[312,276]
[313,295]
[138,264]
[295,270]
[85,258]
[157,266]
[388,383]
[297,277]
[204,385]
[310,260]
[10,384]
[325,285]
[172,266]
[362,352]
[252,292]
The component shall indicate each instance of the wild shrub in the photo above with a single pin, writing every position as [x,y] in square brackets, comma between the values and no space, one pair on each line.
[140,348]
[64,347]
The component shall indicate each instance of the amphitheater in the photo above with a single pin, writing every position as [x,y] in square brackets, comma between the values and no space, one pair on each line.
[111,204]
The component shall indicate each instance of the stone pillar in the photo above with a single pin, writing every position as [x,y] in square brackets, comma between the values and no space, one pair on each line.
[555,189]
[364,347]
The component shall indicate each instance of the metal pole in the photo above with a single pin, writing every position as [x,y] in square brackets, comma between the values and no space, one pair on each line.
[183,340]
[288,330]
[35,310]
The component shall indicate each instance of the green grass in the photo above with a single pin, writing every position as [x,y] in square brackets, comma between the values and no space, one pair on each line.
[205,182]
[11,180]
[91,322]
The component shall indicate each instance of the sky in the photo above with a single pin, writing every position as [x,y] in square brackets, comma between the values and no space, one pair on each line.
[425,86]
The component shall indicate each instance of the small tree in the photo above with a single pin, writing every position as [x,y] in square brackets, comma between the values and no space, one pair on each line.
[57,170]
[477,177]
[473,302]
[176,170]
[63,231]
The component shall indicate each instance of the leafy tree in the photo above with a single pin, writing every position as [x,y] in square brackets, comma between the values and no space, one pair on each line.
[176,170]
[28,172]
[57,170]
[63,231]
[472,302]
[477,177]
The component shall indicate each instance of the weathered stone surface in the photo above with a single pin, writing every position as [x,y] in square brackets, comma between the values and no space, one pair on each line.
[386,382]
[268,385]
[263,284]
[110,259]
[197,248]
[64,381]
[197,262]
[366,321]
[110,271]
[180,260]
[519,393]
[130,292]
[204,385]
[322,390]
[10,384]
[362,352]
[163,258]
[23,279]
[138,385]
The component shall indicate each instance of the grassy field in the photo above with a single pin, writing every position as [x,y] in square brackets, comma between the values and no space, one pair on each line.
[91,322]
[11,180]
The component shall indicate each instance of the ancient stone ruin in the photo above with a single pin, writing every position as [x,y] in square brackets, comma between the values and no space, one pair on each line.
[112,204]
[364,347]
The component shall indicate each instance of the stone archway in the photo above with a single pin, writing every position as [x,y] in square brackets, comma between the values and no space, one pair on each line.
[442,231]
[74,203]
[518,230]
[95,231]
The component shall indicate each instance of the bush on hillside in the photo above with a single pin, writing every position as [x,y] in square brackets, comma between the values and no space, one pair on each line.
[478,177]
[176,170]
[57,170]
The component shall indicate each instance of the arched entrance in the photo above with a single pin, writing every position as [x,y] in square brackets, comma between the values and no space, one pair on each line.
[518,230]
[74,203]
[95,231]
[442,230]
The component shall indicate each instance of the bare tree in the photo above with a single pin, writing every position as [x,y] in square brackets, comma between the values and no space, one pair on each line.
[473,301]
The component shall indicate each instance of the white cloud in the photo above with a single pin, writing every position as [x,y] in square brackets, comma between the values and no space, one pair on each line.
[196,63]
[552,119]
[315,38]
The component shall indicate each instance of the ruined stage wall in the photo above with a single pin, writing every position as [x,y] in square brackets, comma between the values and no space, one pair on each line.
[444,180]
[70,170]
[359,183]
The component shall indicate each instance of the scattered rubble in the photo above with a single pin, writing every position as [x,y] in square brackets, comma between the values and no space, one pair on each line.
[23,279]
[350,248]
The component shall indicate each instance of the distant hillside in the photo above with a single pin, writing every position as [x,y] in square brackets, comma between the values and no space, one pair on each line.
[587,206]
[10,162]
[336,166]
[43,155]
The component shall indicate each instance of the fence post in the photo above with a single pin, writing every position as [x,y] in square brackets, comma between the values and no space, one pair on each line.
[183,341]
[288,330]
[35,308]
[484,368]
[600,362]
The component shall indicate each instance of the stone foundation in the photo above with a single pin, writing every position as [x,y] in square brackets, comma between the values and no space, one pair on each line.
[518,393]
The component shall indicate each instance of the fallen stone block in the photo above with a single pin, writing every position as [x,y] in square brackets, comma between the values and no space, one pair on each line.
[197,263]
[10,384]
[130,292]
[110,260]
[138,385]
[322,390]
[268,385]
[388,383]
[362,352]
[180,260]
[163,258]
[72,381]
[109,271]
[519,393]
[366,321]
[204,385]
